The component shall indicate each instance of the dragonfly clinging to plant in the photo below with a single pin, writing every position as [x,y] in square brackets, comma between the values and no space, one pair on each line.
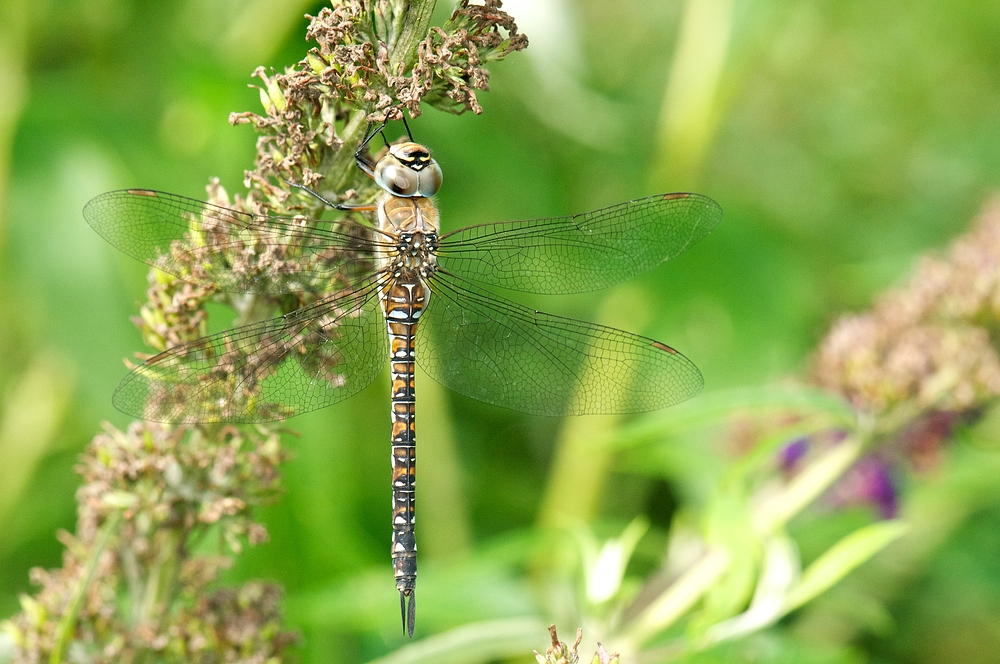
[380,283]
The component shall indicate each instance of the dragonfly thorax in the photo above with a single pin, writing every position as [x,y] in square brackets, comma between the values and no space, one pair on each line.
[416,252]
[413,224]
[398,215]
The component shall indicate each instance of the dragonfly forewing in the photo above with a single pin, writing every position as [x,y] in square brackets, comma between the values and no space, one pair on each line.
[581,252]
[230,250]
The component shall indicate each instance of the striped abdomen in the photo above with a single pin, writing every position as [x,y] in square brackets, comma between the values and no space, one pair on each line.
[403,301]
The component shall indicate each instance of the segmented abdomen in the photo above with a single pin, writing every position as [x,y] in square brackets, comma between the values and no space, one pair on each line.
[403,301]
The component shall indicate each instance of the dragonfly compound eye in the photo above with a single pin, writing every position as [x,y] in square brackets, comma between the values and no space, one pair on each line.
[396,178]
[429,179]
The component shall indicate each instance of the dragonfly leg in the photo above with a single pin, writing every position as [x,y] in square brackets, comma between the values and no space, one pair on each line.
[364,162]
[361,158]
[409,134]
[330,204]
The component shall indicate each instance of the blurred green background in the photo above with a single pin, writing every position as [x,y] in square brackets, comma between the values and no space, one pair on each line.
[841,138]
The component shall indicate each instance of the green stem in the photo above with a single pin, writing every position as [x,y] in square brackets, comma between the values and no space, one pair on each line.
[581,447]
[398,20]
[676,600]
[690,112]
[168,578]
[67,623]
[338,166]
[414,31]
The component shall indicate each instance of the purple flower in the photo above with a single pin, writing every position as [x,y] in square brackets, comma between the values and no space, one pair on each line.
[792,453]
[869,482]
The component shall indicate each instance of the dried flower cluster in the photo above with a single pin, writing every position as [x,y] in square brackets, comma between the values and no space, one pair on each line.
[360,73]
[174,312]
[448,68]
[921,362]
[929,343]
[129,587]
[560,653]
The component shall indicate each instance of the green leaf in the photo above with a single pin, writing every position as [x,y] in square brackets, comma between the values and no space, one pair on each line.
[843,557]
[779,572]
[727,525]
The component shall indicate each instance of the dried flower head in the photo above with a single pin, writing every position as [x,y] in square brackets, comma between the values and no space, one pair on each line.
[368,65]
[928,343]
[558,652]
[128,587]
[923,361]
[260,265]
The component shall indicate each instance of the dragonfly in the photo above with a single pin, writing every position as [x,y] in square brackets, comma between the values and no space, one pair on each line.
[361,289]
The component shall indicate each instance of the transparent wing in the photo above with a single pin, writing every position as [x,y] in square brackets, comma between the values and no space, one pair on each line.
[231,250]
[503,353]
[308,359]
[582,252]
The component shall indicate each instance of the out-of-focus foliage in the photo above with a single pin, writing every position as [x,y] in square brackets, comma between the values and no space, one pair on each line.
[842,139]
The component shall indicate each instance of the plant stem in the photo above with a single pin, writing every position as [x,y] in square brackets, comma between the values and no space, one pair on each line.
[806,486]
[677,599]
[67,624]
[336,166]
[418,22]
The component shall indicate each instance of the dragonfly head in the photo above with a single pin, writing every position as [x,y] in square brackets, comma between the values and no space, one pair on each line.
[408,170]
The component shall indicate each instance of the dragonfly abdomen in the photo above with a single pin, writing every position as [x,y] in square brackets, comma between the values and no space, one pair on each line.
[403,302]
